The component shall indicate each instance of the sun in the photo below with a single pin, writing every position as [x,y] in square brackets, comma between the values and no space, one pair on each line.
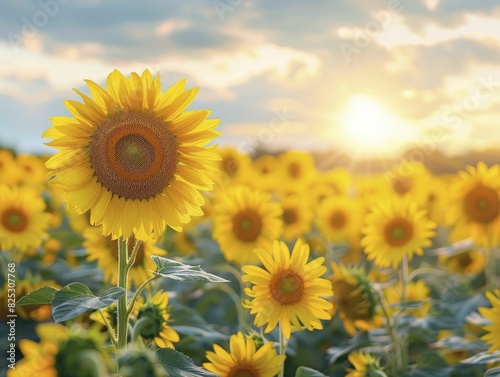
[366,124]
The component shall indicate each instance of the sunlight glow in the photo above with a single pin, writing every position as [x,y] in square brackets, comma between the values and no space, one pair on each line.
[367,125]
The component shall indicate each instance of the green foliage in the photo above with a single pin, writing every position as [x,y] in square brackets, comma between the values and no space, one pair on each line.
[40,296]
[178,365]
[171,269]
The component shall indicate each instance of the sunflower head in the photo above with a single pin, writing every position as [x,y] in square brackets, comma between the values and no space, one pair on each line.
[289,289]
[245,219]
[153,316]
[23,220]
[416,291]
[475,204]
[133,156]
[492,337]
[365,366]
[394,228]
[245,359]
[353,297]
[61,351]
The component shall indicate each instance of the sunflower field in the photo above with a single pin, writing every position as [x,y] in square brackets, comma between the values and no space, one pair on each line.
[141,248]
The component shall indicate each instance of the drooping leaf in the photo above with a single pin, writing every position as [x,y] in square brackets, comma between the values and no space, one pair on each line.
[76,298]
[40,296]
[308,372]
[493,372]
[483,358]
[179,365]
[171,269]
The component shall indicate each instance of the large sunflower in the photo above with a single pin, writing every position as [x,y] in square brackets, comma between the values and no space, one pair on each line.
[394,228]
[244,359]
[475,204]
[243,220]
[104,250]
[289,289]
[23,221]
[132,155]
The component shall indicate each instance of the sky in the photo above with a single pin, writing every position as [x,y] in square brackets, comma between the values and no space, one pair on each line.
[354,76]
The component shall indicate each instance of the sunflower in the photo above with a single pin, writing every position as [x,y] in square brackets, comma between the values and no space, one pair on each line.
[104,250]
[475,204]
[289,289]
[492,337]
[328,184]
[353,298]
[297,169]
[32,169]
[469,261]
[243,220]
[155,315]
[132,155]
[297,217]
[365,365]
[23,221]
[339,218]
[394,228]
[233,165]
[244,359]
[61,352]
[264,175]
[409,180]
[9,171]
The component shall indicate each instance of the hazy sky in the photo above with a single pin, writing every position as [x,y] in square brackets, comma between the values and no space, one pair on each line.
[357,76]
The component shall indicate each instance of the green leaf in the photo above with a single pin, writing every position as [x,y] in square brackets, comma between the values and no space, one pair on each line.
[493,372]
[76,298]
[308,372]
[175,270]
[179,365]
[40,296]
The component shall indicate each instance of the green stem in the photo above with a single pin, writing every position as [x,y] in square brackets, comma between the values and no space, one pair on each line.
[242,318]
[404,278]
[282,349]
[122,315]
[109,327]
[138,292]
[395,361]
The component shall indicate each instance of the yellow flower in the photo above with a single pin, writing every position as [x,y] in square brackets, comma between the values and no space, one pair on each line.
[104,250]
[32,169]
[155,311]
[265,175]
[60,352]
[289,289]
[9,170]
[466,262]
[23,221]
[336,182]
[297,169]
[339,218]
[243,220]
[353,299]
[297,217]
[244,359]
[493,314]
[233,164]
[365,365]
[133,156]
[409,180]
[475,204]
[395,228]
